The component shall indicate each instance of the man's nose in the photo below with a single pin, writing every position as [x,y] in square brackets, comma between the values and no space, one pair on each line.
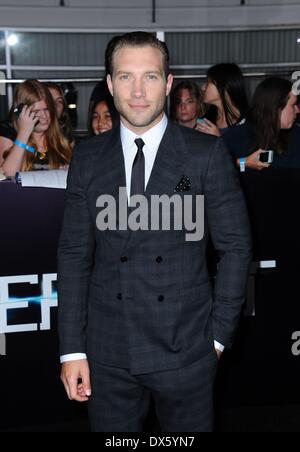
[138,89]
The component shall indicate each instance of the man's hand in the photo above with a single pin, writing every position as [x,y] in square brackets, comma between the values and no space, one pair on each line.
[75,376]
[219,353]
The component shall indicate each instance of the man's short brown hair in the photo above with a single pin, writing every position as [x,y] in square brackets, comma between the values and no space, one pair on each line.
[135,39]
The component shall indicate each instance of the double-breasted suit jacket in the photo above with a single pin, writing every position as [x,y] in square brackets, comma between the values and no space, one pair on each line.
[142,300]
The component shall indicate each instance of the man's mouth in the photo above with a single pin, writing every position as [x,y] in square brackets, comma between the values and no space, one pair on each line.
[138,107]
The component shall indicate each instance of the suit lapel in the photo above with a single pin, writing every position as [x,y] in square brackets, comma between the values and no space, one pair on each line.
[169,163]
[112,177]
[117,165]
[113,165]
[167,171]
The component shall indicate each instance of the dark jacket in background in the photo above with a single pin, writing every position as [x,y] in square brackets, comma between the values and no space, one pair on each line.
[7,131]
[241,141]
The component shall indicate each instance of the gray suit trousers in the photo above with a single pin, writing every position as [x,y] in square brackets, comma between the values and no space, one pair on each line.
[183,398]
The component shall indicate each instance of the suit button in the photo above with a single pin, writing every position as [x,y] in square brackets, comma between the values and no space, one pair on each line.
[159,259]
[161,298]
[124,259]
[120,297]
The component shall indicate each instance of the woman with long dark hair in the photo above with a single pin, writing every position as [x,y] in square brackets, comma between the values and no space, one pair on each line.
[270,125]
[225,95]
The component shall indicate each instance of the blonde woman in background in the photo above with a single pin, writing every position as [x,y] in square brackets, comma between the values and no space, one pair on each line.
[40,143]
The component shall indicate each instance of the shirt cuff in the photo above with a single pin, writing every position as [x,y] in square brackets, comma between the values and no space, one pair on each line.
[72,357]
[219,346]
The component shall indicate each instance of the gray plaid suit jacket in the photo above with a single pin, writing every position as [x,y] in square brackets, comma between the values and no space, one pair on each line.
[142,300]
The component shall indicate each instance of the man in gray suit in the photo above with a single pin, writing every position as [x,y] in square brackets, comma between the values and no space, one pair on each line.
[137,316]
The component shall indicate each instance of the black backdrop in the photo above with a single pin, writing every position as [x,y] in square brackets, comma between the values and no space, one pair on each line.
[260,370]
[32,394]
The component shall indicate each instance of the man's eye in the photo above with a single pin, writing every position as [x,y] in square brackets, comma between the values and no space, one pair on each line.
[152,77]
[124,77]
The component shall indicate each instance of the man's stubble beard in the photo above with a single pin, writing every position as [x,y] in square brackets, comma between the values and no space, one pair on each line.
[136,120]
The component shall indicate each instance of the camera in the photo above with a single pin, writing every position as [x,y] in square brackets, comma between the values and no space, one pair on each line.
[266,156]
[18,109]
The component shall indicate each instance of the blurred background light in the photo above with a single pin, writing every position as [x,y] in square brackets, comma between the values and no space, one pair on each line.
[12,40]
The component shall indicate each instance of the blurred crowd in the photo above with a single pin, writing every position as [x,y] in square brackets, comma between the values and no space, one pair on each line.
[261,132]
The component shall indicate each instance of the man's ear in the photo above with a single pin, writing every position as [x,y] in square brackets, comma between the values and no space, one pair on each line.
[170,80]
[109,84]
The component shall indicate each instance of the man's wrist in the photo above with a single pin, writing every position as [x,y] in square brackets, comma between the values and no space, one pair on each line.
[72,357]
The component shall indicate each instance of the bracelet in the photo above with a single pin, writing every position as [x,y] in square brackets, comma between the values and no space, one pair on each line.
[24,146]
[243,165]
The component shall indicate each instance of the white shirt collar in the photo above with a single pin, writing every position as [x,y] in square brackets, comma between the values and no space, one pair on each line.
[152,138]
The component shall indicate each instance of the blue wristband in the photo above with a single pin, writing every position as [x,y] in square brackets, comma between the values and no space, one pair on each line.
[243,164]
[24,146]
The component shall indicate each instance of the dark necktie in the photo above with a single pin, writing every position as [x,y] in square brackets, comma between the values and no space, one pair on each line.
[138,170]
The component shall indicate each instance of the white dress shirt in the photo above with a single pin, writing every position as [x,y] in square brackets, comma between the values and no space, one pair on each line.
[152,140]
